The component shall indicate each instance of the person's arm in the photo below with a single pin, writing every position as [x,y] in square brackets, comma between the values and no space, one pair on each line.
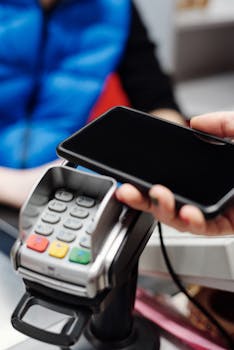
[161,202]
[15,184]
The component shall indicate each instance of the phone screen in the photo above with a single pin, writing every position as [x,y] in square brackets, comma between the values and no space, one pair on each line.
[138,148]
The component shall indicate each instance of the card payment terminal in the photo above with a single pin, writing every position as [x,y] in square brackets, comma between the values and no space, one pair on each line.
[77,246]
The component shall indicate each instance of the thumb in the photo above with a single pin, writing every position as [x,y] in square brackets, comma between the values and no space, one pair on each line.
[219,123]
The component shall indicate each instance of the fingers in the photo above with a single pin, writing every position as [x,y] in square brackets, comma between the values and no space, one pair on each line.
[219,123]
[196,222]
[129,195]
[161,203]
[229,215]
[193,219]
[164,210]
[163,207]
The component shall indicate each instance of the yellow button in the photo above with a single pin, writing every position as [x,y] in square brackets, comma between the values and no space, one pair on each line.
[58,249]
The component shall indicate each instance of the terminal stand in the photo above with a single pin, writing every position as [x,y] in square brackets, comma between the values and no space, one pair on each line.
[117,327]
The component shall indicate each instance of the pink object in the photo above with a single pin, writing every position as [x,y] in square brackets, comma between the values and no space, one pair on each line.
[168,319]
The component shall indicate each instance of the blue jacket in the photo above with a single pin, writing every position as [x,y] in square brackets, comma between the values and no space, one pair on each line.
[52,69]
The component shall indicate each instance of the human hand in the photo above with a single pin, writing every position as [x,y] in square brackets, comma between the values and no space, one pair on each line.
[161,202]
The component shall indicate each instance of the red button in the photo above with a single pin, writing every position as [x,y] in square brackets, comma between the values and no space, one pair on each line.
[37,243]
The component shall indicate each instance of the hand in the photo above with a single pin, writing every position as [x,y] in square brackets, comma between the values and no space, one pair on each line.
[161,203]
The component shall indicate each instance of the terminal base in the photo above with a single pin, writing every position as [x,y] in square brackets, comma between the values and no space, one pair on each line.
[144,336]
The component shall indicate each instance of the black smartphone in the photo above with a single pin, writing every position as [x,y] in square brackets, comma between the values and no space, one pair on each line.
[143,150]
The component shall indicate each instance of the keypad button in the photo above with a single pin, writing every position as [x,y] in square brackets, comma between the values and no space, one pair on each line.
[85,201]
[57,206]
[66,236]
[90,228]
[44,229]
[26,224]
[80,213]
[63,195]
[50,218]
[58,249]
[37,243]
[80,256]
[72,224]
[39,199]
[31,211]
[85,242]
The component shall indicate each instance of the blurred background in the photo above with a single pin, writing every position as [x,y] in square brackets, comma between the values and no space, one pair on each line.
[194,41]
[195,44]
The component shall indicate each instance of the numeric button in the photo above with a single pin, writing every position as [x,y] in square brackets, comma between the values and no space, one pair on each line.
[85,201]
[44,229]
[57,206]
[50,218]
[85,242]
[72,224]
[26,224]
[66,236]
[31,211]
[90,228]
[80,213]
[63,195]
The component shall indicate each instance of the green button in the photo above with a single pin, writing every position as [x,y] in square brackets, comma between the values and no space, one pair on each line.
[80,256]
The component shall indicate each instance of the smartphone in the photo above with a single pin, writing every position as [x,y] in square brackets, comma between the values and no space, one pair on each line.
[143,150]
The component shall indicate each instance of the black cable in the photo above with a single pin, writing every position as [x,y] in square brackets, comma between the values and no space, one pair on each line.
[179,284]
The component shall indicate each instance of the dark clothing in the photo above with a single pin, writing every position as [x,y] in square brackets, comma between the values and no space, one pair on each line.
[147,87]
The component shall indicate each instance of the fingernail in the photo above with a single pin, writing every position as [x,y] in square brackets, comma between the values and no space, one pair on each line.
[154,200]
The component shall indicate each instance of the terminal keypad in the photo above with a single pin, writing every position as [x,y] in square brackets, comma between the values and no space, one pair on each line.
[64,228]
